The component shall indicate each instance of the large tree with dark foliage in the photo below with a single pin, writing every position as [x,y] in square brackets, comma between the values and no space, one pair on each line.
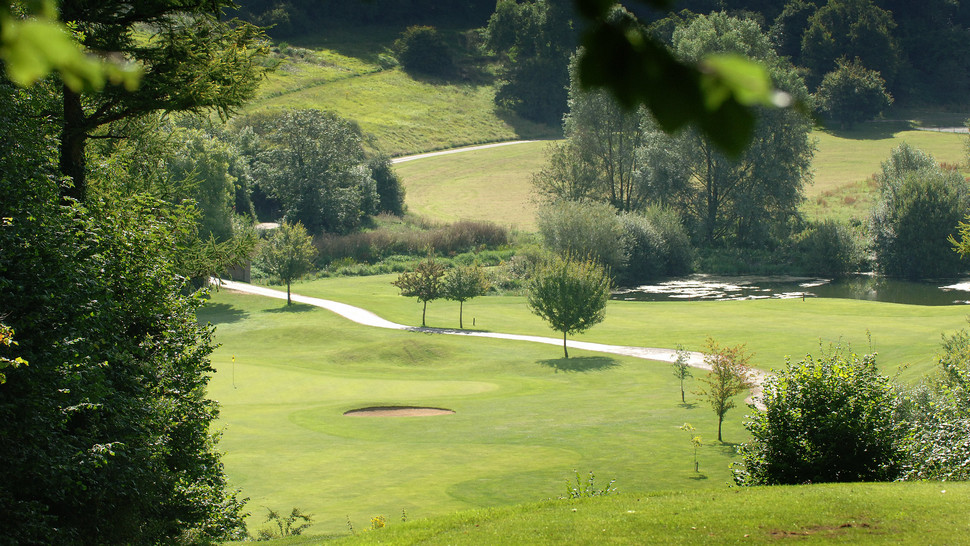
[191,61]
[105,433]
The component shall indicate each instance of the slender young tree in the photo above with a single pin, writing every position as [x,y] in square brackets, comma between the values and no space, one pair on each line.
[288,253]
[729,377]
[682,369]
[570,295]
[464,283]
[424,283]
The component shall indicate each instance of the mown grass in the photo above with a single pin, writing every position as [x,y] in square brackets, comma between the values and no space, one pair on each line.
[847,513]
[907,337]
[491,184]
[352,74]
[525,418]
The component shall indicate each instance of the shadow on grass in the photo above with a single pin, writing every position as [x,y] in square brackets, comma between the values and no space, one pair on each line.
[698,476]
[220,313]
[728,448]
[581,364]
[688,405]
[294,308]
[875,130]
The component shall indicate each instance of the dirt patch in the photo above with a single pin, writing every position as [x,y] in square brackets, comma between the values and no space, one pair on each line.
[397,411]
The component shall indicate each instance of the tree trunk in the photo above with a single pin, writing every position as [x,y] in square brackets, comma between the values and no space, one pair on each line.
[720,419]
[461,305]
[682,400]
[423,311]
[288,300]
[565,351]
[73,139]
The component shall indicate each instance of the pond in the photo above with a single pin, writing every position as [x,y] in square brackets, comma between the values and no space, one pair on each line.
[860,287]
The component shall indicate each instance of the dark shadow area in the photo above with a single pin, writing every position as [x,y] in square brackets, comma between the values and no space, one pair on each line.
[698,476]
[728,448]
[688,405]
[581,364]
[295,308]
[220,313]
[873,130]
[525,129]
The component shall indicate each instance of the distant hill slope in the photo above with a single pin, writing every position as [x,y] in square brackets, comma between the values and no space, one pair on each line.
[352,73]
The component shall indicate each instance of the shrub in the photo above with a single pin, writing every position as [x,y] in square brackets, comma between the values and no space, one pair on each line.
[852,93]
[829,419]
[827,248]
[422,50]
[938,414]
[656,245]
[583,228]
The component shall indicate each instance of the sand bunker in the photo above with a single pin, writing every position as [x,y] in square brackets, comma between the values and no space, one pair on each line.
[397,411]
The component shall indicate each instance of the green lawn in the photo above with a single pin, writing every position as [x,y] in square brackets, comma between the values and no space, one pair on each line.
[906,337]
[525,419]
[493,184]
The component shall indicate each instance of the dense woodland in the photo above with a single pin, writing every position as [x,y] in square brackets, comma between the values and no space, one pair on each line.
[120,200]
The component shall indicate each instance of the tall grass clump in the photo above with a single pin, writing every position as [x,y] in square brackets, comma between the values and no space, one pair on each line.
[414,239]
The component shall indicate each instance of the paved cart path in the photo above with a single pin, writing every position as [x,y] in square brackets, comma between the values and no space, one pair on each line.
[367,318]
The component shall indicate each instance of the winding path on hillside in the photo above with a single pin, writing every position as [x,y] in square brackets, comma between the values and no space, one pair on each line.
[367,318]
[405,158]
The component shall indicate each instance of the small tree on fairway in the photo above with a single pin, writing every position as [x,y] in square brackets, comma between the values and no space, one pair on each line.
[288,253]
[464,283]
[424,283]
[729,376]
[682,369]
[570,295]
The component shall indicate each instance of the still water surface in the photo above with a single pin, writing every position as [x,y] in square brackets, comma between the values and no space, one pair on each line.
[860,287]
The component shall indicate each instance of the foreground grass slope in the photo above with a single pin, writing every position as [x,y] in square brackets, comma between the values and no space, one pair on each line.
[924,513]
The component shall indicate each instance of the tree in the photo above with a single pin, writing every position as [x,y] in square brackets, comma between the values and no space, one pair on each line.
[422,50]
[569,294]
[656,245]
[728,377]
[313,163]
[390,192]
[825,420]
[424,283]
[850,29]
[288,253]
[463,283]
[682,370]
[717,93]
[191,61]
[607,137]
[536,38]
[919,210]
[746,199]
[852,93]
[107,433]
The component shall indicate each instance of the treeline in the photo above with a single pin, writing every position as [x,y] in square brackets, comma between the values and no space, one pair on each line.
[292,17]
